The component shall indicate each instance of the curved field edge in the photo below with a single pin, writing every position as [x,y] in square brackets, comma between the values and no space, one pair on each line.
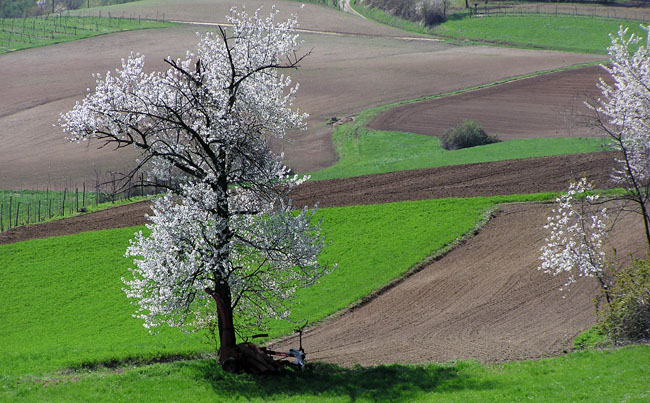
[64,307]
[609,375]
[362,151]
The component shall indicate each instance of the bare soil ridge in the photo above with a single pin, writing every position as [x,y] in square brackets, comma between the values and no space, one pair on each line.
[546,174]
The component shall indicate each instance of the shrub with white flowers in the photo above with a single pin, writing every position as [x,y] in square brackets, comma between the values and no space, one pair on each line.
[577,236]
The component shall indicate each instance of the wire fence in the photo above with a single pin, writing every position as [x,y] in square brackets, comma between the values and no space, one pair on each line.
[25,207]
[579,10]
[49,28]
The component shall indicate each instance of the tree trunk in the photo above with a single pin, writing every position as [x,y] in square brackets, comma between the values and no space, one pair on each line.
[227,339]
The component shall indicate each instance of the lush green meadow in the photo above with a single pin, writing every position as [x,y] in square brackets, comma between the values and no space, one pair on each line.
[24,33]
[569,33]
[556,32]
[68,333]
[602,376]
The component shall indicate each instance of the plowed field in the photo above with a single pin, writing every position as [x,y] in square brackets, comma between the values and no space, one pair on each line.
[551,105]
[484,300]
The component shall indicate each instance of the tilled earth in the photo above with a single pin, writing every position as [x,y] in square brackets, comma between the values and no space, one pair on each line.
[484,300]
[548,105]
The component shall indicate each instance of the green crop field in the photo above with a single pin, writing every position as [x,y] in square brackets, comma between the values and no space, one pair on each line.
[569,33]
[24,33]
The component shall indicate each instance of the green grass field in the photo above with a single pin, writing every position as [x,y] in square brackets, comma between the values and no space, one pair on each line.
[24,33]
[556,32]
[65,316]
[596,376]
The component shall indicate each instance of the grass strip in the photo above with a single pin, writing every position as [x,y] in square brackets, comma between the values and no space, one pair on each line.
[610,375]
[63,305]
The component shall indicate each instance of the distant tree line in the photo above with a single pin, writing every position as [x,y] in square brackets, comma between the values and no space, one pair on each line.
[29,8]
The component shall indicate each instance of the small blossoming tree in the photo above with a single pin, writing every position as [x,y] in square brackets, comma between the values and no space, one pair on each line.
[577,237]
[623,114]
[225,243]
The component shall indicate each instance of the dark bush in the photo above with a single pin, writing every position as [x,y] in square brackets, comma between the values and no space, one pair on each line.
[428,12]
[466,134]
[627,316]
[433,13]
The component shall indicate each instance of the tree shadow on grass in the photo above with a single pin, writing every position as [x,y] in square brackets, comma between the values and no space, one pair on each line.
[382,383]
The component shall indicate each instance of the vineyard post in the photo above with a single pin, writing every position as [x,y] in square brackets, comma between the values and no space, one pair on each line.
[76,193]
[10,209]
[113,190]
[83,198]
[29,205]
[65,190]
[39,210]
[49,210]
[17,210]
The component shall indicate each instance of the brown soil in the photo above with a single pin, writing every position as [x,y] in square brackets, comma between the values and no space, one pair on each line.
[534,175]
[548,174]
[484,300]
[551,105]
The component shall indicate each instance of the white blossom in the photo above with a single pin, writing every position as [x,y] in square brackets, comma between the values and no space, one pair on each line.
[623,114]
[226,231]
[577,235]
